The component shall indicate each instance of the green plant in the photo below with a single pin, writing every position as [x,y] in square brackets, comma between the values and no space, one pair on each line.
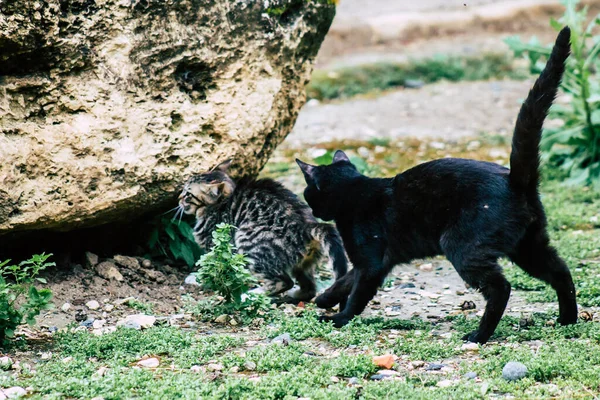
[575,146]
[222,270]
[225,272]
[175,239]
[17,281]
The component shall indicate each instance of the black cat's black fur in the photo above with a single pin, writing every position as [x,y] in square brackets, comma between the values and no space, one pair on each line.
[472,212]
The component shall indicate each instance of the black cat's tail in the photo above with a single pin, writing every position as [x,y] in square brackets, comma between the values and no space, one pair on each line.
[332,244]
[524,158]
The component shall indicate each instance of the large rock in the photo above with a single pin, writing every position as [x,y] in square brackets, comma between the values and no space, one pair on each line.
[106,106]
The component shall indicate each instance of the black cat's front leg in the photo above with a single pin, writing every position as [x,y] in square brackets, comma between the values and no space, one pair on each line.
[369,274]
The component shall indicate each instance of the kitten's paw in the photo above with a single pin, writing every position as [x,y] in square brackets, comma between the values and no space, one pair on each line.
[475,337]
[338,320]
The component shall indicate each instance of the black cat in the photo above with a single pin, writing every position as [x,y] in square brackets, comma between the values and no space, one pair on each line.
[473,212]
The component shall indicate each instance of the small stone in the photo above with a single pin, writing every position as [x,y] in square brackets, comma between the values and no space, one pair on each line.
[446,286]
[426,267]
[53,329]
[222,319]
[92,305]
[12,392]
[234,370]
[377,377]
[470,347]
[108,307]
[407,285]
[526,321]
[417,364]
[88,323]
[334,379]
[67,360]
[195,368]
[353,381]
[91,259]
[388,372]
[149,362]
[99,323]
[386,361]
[191,280]
[131,325]
[434,367]
[283,339]
[513,371]
[5,363]
[233,322]
[144,321]
[214,367]
[66,307]
[550,323]
[471,375]
[128,262]
[445,383]
[155,275]
[109,271]
[460,292]
[413,83]
[249,365]
[146,263]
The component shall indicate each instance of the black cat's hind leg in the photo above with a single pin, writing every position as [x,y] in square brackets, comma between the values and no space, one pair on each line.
[337,293]
[482,272]
[540,260]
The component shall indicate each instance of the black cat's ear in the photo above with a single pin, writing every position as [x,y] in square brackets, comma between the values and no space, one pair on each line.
[340,156]
[307,169]
[224,166]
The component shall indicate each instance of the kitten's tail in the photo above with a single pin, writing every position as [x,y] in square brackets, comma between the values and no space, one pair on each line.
[524,158]
[333,246]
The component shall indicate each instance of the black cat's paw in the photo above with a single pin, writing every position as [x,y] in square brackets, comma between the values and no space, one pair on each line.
[338,320]
[475,337]
[326,301]
[567,320]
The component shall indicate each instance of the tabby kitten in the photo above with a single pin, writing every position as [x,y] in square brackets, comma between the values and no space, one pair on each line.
[274,229]
[473,212]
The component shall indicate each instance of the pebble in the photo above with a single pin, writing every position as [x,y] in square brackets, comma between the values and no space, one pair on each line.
[222,319]
[191,280]
[92,305]
[413,83]
[66,307]
[283,339]
[417,364]
[471,375]
[513,371]
[470,347]
[388,372]
[195,368]
[377,377]
[109,271]
[146,263]
[460,292]
[99,323]
[334,379]
[5,363]
[446,286]
[91,259]
[129,262]
[109,307]
[234,370]
[445,383]
[131,325]
[52,329]
[354,381]
[407,285]
[426,267]
[214,367]
[88,323]
[149,362]
[12,392]
[434,367]
[250,365]
[144,321]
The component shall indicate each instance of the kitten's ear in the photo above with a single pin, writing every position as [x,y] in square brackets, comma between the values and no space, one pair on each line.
[226,188]
[224,166]
[340,156]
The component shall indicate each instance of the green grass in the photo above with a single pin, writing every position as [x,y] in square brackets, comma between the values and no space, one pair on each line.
[352,81]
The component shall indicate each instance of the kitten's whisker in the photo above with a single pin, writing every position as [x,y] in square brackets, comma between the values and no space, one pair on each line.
[172,209]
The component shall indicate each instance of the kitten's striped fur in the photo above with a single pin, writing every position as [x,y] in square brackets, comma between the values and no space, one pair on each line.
[274,229]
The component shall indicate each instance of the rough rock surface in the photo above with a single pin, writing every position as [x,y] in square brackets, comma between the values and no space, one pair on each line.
[106,106]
